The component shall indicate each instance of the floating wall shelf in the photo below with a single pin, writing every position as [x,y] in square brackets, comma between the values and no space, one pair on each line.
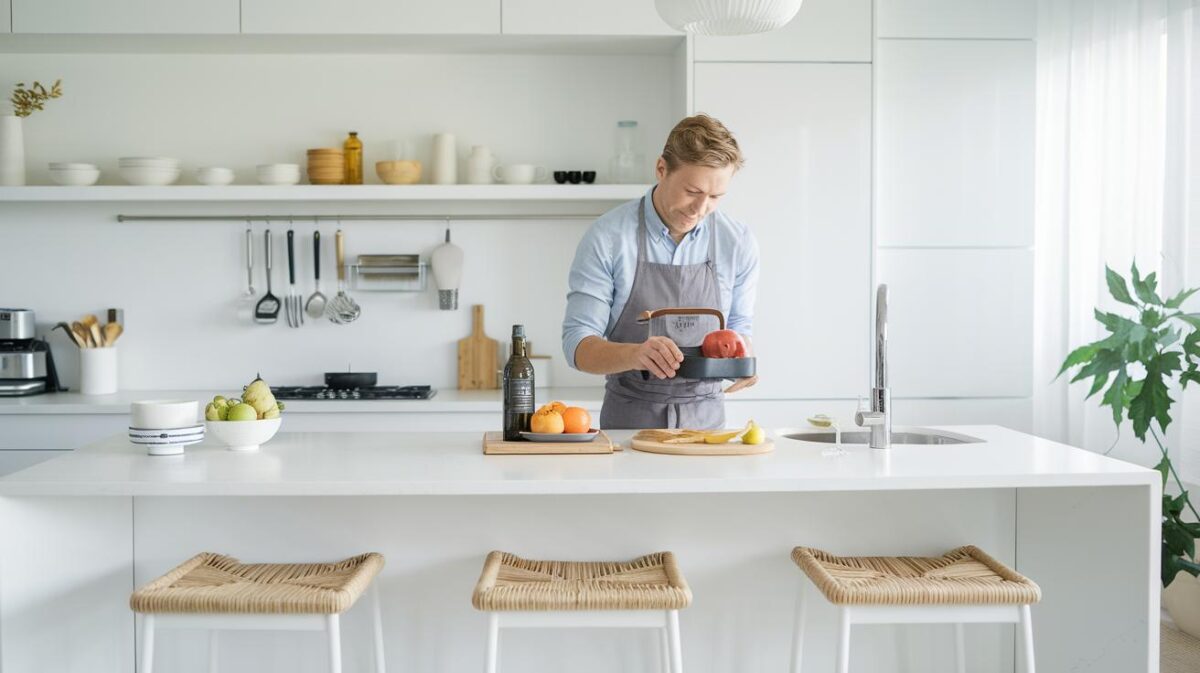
[323,193]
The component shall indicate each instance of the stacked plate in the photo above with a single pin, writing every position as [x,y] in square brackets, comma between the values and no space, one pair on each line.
[326,166]
[74,175]
[278,174]
[166,441]
[148,170]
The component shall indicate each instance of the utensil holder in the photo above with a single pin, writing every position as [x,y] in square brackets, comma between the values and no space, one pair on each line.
[376,278]
[98,371]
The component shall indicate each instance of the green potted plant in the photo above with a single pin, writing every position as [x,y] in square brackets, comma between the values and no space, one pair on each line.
[1133,366]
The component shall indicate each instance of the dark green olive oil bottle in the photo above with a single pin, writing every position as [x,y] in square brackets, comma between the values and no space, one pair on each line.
[518,388]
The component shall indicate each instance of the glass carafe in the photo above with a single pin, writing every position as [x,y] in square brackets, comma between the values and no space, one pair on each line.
[628,162]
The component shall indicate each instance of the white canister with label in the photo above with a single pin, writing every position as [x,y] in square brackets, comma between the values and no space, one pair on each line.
[98,371]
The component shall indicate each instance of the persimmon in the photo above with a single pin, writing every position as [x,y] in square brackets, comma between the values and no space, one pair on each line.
[555,406]
[546,421]
[576,420]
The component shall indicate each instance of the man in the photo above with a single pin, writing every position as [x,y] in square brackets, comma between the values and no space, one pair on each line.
[670,248]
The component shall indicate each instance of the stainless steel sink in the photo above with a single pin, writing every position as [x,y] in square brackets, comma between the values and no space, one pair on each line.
[899,436]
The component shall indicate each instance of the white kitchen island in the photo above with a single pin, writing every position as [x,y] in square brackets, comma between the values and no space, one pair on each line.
[83,529]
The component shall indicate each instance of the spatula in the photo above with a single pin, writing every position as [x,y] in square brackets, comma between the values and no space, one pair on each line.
[315,306]
[266,312]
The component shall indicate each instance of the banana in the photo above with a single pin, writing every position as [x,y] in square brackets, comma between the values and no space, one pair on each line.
[721,437]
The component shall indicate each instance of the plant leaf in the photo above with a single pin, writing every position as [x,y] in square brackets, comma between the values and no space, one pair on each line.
[1179,540]
[1104,362]
[1192,319]
[1098,384]
[1115,396]
[1164,468]
[1147,289]
[1177,300]
[1079,356]
[1117,287]
[1168,337]
[1151,403]
[1190,376]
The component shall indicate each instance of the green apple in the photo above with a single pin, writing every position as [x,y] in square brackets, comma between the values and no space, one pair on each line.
[242,412]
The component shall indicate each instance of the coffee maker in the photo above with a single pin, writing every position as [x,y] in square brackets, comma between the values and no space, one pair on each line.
[26,366]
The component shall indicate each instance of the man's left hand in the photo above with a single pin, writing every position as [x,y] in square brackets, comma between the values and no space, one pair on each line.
[742,384]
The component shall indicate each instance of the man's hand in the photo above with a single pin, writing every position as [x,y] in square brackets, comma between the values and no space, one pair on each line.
[742,384]
[658,355]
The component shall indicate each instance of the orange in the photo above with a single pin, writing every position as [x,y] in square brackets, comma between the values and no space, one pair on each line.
[546,421]
[556,406]
[576,420]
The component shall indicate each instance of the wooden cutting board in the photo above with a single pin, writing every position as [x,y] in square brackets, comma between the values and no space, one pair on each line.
[493,443]
[477,355]
[641,443]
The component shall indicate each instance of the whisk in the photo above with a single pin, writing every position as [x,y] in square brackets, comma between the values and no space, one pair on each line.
[341,309]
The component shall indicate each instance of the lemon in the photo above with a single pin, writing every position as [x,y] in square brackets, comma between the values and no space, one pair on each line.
[754,435]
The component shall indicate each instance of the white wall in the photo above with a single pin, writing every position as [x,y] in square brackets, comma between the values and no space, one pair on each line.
[179,282]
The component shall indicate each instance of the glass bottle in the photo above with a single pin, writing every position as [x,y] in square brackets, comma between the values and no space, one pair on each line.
[353,151]
[628,160]
[518,387]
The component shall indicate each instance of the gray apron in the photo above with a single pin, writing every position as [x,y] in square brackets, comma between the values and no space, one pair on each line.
[633,402]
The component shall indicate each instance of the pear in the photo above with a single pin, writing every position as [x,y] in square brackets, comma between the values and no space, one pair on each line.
[220,401]
[257,389]
[211,412]
[263,404]
[273,412]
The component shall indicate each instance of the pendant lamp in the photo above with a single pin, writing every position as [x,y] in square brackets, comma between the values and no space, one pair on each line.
[727,17]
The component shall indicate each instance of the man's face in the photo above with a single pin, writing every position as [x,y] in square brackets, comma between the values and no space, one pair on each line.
[688,193]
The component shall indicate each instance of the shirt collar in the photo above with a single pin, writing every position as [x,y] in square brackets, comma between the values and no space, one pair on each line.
[658,229]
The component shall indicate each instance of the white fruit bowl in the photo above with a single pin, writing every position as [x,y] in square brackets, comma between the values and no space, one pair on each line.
[243,435]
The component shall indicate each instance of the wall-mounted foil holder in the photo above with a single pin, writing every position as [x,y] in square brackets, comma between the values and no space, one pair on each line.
[388,273]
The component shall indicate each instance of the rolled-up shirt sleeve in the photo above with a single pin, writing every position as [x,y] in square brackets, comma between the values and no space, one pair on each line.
[745,287]
[590,294]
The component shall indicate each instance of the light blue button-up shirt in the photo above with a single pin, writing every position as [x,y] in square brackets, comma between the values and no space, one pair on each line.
[605,262]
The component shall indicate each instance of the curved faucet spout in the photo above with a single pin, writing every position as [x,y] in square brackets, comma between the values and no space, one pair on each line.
[881,311]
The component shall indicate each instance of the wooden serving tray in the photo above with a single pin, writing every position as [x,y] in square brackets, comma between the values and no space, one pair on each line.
[494,444]
[640,443]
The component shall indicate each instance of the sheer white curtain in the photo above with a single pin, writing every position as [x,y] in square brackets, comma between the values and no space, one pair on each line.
[1117,161]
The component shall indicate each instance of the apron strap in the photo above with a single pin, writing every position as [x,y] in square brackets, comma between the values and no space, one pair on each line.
[712,240]
[642,231]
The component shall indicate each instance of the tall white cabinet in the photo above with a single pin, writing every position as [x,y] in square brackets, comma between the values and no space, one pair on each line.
[954,111]
[356,17]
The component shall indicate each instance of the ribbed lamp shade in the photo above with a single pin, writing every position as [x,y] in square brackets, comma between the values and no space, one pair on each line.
[727,17]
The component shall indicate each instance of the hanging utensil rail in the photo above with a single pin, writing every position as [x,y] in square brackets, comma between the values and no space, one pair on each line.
[353,218]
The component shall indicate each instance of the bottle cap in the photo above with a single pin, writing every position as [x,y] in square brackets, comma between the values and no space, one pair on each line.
[518,331]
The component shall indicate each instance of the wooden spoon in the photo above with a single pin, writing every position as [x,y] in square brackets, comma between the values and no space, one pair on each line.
[82,333]
[74,337]
[93,326]
[112,332]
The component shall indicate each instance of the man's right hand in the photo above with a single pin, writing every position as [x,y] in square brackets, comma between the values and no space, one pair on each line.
[659,356]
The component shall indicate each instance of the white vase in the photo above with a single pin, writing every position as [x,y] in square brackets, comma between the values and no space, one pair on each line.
[12,151]
[1181,598]
[445,160]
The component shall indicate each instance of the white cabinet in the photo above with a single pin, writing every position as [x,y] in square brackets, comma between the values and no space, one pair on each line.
[959,322]
[957,18]
[583,17]
[125,16]
[823,30]
[371,16]
[955,125]
[805,130]
[5,16]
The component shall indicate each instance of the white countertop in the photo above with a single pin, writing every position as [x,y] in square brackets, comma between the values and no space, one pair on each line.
[453,464]
[447,400]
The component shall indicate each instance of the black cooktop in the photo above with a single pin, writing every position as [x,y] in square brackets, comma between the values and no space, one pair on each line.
[366,393]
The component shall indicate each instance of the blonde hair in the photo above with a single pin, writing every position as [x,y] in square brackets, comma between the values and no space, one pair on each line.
[702,141]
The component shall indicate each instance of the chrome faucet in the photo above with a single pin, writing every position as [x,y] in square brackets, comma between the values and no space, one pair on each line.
[879,418]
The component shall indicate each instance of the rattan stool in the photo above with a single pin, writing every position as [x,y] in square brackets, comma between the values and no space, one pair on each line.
[646,592]
[214,593]
[962,586]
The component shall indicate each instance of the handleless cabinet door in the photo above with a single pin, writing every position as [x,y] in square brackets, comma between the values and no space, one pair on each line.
[125,16]
[371,16]
[805,192]
[5,16]
[823,30]
[1013,19]
[583,17]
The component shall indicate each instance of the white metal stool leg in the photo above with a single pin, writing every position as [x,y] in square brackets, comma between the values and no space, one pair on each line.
[147,644]
[212,651]
[673,639]
[960,650]
[333,630]
[798,634]
[843,653]
[377,618]
[664,651]
[1027,638]
[493,643]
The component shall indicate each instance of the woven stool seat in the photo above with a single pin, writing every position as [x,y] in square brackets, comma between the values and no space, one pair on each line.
[963,576]
[510,583]
[212,583]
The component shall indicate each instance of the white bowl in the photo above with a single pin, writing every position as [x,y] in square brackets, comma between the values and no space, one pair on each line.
[243,435]
[70,165]
[214,175]
[278,174]
[75,177]
[141,175]
[163,414]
